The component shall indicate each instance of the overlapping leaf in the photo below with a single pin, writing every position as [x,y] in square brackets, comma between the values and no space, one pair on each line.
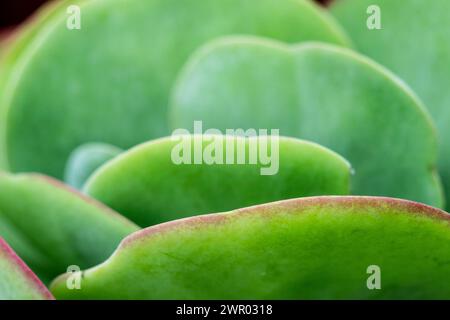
[17,281]
[52,227]
[311,248]
[85,159]
[109,81]
[148,185]
[322,93]
[413,42]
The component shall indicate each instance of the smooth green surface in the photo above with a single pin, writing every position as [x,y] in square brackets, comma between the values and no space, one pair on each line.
[13,51]
[414,42]
[17,281]
[322,93]
[310,248]
[145,185]
[109,82]
[85,159]
[18,39]
[52,227]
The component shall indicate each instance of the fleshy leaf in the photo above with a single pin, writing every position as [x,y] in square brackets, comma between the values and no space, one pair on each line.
[414,42]
[310,248]
[17,281]
[18,39]
[53,227]
[322,93]
[118,94]
[85,159]
[148,187]
[13,51]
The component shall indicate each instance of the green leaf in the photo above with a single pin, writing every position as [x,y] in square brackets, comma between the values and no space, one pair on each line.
[10,57]
[414,42]
[147,186]
[53,227]
[322,93]
[110,81]
[16,42]
[17,281]
[85,159]
[310,248]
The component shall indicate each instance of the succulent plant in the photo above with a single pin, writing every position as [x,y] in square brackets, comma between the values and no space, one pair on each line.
[414,43]
[17,281]
[322,93]
[310,248]
[85,159]
[110,81]
[233,215]
[150,188]
[53,227]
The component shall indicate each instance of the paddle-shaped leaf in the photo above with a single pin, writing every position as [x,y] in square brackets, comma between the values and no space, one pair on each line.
[17,281]
[52,227]
[85,159]
[10,57]
[109,81]
[149,185]
[414,42]
[17,39]
[306,248]
[322,93]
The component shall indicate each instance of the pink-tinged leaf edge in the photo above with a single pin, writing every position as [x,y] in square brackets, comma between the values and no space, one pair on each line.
[8,252]
[292,206]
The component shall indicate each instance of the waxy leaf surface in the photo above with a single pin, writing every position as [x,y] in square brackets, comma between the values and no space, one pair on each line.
[85,159]
[17,281]
[310,248]
[10,57]
[321,93]
[413,42]
[52,227]
[146,185]
[109,81]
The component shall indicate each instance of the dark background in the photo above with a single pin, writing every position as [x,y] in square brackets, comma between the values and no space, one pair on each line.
[12,12]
